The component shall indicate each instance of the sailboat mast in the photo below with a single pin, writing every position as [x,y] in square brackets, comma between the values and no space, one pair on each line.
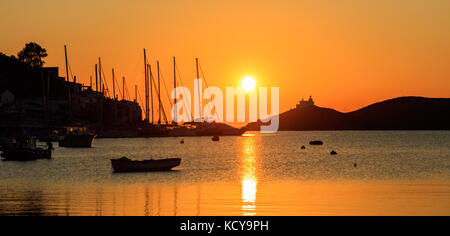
[67,66]
[159,95]
[100,74]
[196,65]
[69,88]
[175,90]
[146,86]
[199,89]
[151,91]
[96,77]
[123,88]
[114,85]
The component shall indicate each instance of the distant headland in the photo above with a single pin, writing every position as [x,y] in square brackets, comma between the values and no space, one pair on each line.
[403,113]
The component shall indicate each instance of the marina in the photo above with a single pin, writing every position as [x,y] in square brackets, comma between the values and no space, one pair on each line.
[94,111]
[237,109]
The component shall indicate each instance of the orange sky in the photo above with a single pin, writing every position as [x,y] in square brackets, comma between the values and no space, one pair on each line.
[347,54]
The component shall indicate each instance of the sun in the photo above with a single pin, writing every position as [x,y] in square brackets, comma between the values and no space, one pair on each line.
[248,83]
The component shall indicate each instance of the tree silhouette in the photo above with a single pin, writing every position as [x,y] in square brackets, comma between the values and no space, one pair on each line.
[32,54]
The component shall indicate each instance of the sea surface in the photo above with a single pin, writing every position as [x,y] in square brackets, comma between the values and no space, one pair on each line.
[396,173]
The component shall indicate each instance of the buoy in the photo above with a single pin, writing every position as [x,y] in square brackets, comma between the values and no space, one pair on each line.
[354,165]
[316,142]
[333,152]
[182,141]
[303,147]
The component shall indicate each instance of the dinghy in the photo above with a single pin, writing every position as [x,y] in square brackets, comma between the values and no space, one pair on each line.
[126,165]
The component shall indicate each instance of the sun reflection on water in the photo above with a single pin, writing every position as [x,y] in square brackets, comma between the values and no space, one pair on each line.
[249,180]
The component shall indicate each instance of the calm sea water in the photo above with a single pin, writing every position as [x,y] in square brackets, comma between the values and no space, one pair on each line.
[397,173]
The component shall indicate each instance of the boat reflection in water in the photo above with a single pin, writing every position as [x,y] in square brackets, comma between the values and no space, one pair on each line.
[249,181]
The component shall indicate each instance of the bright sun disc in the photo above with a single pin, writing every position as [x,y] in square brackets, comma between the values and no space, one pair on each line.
[248,83]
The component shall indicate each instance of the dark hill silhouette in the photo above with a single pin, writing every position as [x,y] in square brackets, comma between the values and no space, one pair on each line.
[404,113]
[27,82]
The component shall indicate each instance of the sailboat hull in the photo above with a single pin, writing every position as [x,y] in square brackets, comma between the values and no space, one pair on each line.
[25,154]
[78,141]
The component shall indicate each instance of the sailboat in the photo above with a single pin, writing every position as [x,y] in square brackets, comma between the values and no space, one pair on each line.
[149,128]
[77,137]
[24,148]
[204,128]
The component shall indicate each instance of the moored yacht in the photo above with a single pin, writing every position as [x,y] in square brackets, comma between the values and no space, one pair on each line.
[77,137]
[24,148]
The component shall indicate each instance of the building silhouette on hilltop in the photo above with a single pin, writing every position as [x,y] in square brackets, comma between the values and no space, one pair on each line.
[307,103]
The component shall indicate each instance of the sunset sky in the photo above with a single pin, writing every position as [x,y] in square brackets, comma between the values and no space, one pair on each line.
[346,54]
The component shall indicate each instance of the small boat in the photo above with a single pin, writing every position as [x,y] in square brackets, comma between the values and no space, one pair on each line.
[126,165]
[202,129]
[333,152]
[215,138]
[316,142]
[25,149]
[77,137]
[25,153]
